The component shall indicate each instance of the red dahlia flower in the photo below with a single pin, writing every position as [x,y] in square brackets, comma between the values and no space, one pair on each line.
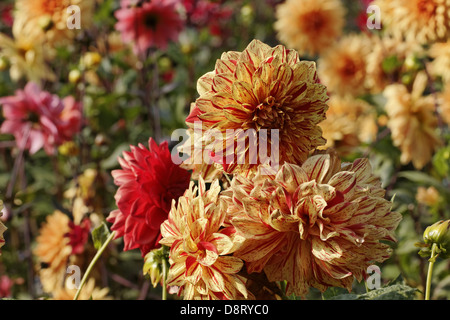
[148,182]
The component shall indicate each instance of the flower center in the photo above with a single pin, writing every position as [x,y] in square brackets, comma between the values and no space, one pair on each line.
[314,22]
[151,20]
[269,114]
[426,8]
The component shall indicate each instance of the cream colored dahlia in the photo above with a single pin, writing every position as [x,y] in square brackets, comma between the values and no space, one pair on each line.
[26,58]
[444,105]
[440,66]
[393,53]
[200,261]
[2,228]
[412,121]
[423,21]
[309,26]
[342,68]
[53,251]
[428,196]
[256,95]
[316,225]
[349,122]
[89,292]
[48,20]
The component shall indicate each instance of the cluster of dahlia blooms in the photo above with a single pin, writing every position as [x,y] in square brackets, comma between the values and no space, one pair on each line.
[312,221]
[39,119]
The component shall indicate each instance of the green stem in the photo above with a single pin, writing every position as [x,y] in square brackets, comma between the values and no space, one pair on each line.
[430,271]
[93,262]
[164,284]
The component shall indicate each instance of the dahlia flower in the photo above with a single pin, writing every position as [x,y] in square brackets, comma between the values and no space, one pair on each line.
[429,196]
[349,122]
[423,21]
[319,224]
[148,23]
[444,104]
[26,57]
[90,292]
[310,26]
[259,88]
[2,228]
[47,21]
[53,250]
[39,119]
[148,182]
[412,121]
[200,261]
[440,66]
[342,68]
[393,51]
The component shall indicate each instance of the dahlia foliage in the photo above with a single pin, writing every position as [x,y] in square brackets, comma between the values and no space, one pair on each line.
[224,150]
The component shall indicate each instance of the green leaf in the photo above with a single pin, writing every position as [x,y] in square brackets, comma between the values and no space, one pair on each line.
[100,234]
[420,178]
[332,292]
[395,290]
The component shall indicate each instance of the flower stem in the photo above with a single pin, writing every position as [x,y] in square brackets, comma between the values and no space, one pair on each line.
[430,271]
[164,284]
[93,262]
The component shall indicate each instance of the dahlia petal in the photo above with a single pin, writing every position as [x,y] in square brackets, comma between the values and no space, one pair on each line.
[326,250]
[229,264]
[222,82]
[316,167]
[343,181]
[244,72]
[243,93]
[224,66]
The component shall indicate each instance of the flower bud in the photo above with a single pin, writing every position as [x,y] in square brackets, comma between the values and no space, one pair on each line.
[439,233]
[153,265]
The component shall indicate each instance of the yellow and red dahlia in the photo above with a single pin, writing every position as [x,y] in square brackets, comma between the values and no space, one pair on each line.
[259,88]
[423,21]
[316,225]
[148,182]
[310,26]
[412,121]
[200,247]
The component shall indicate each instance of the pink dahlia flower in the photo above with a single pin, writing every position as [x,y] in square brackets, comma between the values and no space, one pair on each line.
[148,23]
[148,182]
[38,119]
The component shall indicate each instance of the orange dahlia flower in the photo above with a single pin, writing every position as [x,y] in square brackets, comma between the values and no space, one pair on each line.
[310,26]
[319,224]
[53,250]
[260,88]
[342,68]
[201,264]
[48,21]
[423,21]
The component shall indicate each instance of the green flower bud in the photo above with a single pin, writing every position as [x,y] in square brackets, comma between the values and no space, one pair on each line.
[153,264]
[439,233]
